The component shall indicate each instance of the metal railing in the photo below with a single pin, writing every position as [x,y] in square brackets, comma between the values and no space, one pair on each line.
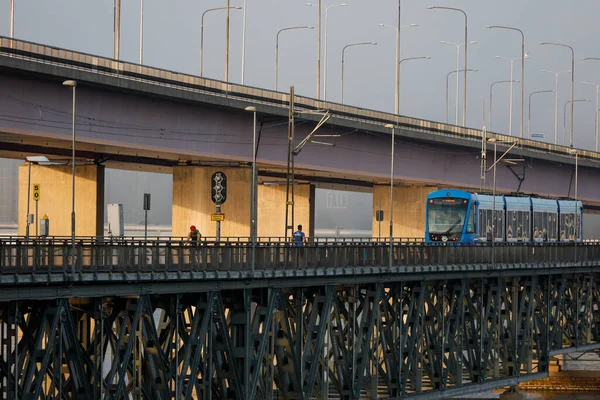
[124,70]
[166,256]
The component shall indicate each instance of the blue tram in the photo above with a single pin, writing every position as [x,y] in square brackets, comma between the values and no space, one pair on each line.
[455,216]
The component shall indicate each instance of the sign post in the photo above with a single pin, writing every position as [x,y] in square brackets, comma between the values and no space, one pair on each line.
[146,208]
[36,197]
[218,196]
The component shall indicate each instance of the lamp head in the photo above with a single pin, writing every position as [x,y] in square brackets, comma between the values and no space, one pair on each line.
[389,126]
[374,43]
[380,24]
[343,5]
[251,108]
[70,83]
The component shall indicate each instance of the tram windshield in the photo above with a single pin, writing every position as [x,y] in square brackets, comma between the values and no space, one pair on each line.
[446,215]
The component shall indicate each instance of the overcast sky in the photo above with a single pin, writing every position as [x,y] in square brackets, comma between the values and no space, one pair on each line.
[172,41]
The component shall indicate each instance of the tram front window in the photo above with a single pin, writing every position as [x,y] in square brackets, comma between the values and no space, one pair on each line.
[446,216]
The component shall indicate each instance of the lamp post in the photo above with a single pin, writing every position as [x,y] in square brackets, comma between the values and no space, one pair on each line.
[565,118]
[277,50]
[202,32]
[72,84]
[243,43]
[597,92]
[141,31]
[392,127]
[529,118]
[556,74]
[577,222]
[457,45]
[572,82]
[12,20]
[523,56]
[409,59]
[343,51]
[116,28]
[492,98]
[512,60]
[325,51]
[465,66]
[397,89]
[447,78]
[595,59]
[253,201]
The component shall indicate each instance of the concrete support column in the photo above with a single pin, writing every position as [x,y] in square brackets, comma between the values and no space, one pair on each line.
[271,209]
[192,204]
[409,210]
[55,198]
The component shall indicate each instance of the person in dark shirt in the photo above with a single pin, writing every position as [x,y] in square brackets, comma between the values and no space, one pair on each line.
[194,240]
[299,239]
[194,236]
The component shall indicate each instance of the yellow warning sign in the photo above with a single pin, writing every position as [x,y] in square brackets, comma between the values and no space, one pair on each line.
[36,191]
[217,217]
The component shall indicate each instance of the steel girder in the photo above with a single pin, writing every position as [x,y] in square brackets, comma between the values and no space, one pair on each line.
[344,341]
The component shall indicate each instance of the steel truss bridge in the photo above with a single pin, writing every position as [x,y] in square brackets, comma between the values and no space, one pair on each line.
[159,320]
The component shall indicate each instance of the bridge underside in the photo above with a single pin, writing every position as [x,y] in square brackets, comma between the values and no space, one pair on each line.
[429,338]
[145,127]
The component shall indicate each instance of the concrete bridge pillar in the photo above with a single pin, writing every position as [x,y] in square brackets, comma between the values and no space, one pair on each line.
[192,204]
[409,210]
[55,198]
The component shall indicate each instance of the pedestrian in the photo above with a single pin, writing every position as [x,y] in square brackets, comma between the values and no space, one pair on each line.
[194,240]
[194,236]
[299,239]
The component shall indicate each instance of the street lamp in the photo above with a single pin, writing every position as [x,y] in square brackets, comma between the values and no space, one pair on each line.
[512,60]
[572,81]
[253,200]
[409,59]
[72,84]
[577,218]
[202,30]
[457,45]
[529,118]
[277,50]
[141,31]
[565,118]
[523,57]
[392,127]
[397,89]
[12,19]
[447,78]
[343,50]
[325,52]
[556,74]
[597,92]
[465,66]
[492,98]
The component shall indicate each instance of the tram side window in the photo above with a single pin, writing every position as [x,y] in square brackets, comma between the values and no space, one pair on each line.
[542,225]
[499,225]
[567,226]
[578,226]
[525,226]
[471,220]
[552,226]
[485,224]
[511,225]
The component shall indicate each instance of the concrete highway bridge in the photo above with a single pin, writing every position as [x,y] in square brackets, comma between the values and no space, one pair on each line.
[143,118]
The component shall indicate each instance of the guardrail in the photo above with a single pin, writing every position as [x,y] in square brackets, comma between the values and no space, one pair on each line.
[162,240]
[55,257]
[124,70]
